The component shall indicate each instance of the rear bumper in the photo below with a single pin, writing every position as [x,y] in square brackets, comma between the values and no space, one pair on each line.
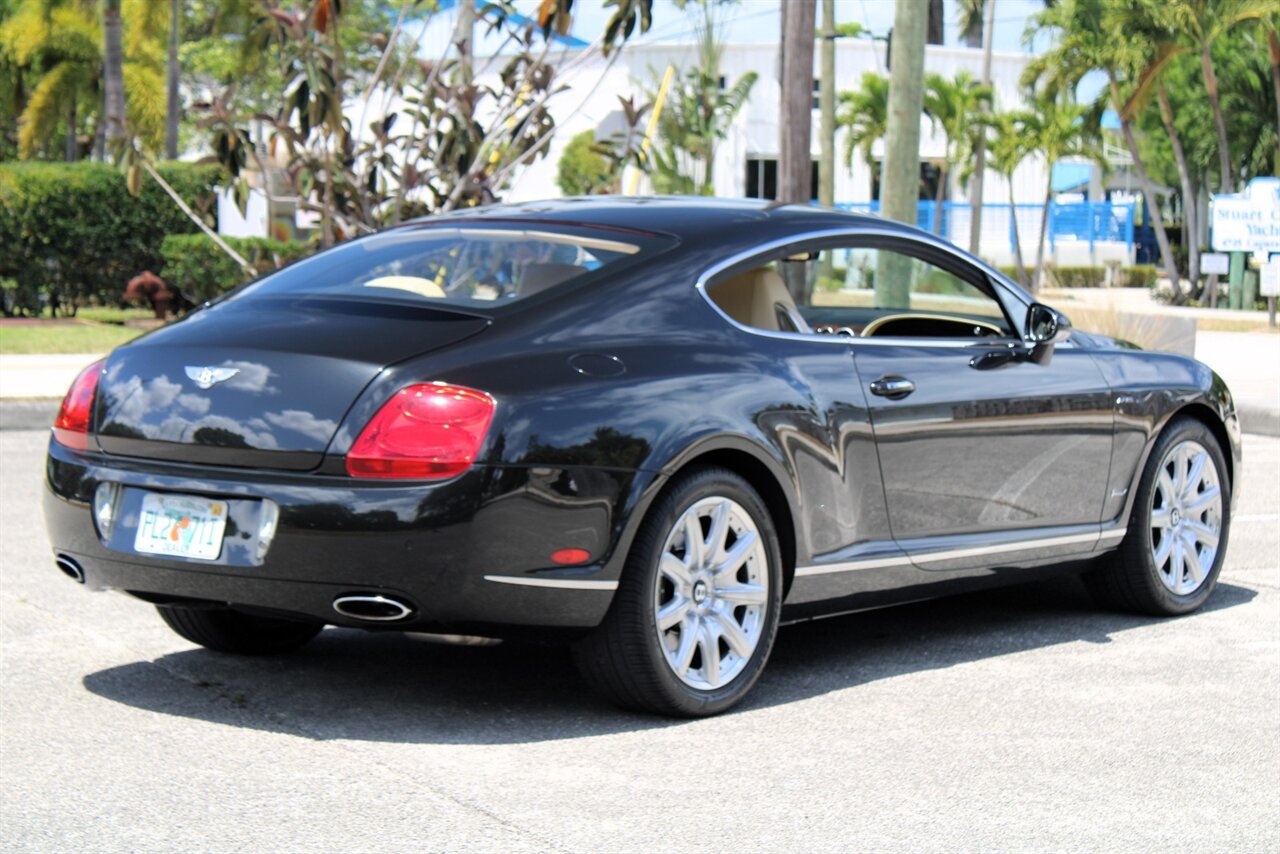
[472,553]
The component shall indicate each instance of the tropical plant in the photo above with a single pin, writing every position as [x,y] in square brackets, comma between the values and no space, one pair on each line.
[1056,129]
[1092,36]
[583,169]
[864,113]
[1201,23]
[953,107]
[1009,143]
[58,48]
[699,108]
[969,13]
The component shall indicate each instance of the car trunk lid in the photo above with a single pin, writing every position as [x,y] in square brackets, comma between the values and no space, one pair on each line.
[260,382]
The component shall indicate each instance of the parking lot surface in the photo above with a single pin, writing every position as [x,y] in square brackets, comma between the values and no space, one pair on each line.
[1012,720]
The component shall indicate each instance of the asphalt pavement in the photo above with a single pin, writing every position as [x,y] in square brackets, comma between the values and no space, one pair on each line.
[1016,720]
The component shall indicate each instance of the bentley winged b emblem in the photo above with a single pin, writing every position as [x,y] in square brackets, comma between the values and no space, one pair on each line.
[207,376]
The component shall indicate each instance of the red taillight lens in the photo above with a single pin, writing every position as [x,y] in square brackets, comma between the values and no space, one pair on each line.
[424,431]
[71,428]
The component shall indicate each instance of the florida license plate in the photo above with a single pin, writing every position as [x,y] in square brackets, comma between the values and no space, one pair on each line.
[181,526]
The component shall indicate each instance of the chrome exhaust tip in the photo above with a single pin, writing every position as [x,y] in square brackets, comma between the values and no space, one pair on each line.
[372,608]
[71,568]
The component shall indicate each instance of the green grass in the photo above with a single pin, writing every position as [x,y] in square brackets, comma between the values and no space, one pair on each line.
[112,314]
[63,338]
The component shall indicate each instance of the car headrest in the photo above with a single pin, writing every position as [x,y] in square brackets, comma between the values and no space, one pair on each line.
[538,277]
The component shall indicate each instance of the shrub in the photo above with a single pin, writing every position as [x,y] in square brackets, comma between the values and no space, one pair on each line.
[1079,277]
[199,270]
[1141,276]
[72,231]
[584,170]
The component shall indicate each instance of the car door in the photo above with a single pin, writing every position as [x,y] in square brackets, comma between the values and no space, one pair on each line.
[988,456]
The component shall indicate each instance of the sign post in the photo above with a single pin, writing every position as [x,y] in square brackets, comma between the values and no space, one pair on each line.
[1270,286]
[1242,223]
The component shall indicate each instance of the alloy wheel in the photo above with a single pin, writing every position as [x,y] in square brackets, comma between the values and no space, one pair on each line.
[1186,517]
[711,593]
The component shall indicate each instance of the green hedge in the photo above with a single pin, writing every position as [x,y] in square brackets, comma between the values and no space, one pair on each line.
[196,267]
[1079,277]
[72,231]
[1141,276]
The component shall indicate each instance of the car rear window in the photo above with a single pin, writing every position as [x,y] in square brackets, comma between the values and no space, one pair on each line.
[463,265]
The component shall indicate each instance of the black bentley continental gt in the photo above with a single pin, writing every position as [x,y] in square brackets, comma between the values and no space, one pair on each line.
[653,427]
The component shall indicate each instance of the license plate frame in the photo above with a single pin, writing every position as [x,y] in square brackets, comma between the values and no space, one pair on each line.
[182,526]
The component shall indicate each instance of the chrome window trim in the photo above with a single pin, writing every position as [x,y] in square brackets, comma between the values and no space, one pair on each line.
[560,583]
[862,232]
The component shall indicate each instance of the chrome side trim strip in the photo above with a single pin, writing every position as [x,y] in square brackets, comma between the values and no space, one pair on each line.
[1000,548]
[1114,534]
[853,565]
[561,583]
[954,554]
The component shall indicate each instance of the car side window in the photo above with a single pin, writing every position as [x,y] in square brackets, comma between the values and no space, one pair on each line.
[860,291]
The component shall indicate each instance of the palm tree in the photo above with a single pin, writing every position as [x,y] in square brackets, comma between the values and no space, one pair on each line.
[1008,147]
[1201,23]
[953,106]
[56,47]
[971,12]
[1056,130]
[1092,35]
[59,46]
[864,112]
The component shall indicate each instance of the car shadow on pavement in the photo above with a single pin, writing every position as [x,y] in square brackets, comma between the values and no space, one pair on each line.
[355,685]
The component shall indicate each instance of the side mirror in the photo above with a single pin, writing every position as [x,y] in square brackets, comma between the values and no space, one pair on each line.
[1045,327]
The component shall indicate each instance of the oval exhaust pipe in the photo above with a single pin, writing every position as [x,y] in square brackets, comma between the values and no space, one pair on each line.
[71,568]
[372,608]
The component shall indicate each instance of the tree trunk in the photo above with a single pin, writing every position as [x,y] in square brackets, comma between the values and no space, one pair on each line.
[174,105]
[795,166]
[113,71]
[1038,281]
[936,23]
[1188,199]
[980,150]
[1149,193]
[1019,264]
[1224,153]
[1273,43]
[939,198]
[827,107]
[73,146]
[900,173]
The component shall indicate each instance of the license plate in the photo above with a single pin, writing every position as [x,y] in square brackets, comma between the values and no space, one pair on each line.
[181,526]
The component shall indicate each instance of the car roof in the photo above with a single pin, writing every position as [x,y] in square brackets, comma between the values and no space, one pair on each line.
[690,218]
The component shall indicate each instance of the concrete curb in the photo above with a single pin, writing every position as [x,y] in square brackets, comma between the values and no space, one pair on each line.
[39,414]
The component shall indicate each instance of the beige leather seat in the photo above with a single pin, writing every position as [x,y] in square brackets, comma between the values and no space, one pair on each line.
[759,298]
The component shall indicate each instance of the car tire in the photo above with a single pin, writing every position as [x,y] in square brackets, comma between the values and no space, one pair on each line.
[1179,523]
[225,630]
[684,637]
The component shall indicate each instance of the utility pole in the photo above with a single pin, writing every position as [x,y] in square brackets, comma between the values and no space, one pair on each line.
[827,107]
[980,152]
[795,162]
[900,179]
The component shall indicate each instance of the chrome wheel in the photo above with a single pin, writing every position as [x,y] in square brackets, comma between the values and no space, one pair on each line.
[1186,517]
[711,593]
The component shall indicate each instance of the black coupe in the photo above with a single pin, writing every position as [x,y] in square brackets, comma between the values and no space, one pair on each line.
[653,427]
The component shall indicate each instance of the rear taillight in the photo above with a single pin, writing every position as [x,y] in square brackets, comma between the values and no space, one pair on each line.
[426,431]
[71,428]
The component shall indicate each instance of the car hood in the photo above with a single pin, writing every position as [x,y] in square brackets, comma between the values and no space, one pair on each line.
[259,382]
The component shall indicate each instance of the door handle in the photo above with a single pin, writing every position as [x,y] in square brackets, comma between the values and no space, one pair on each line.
[892,387]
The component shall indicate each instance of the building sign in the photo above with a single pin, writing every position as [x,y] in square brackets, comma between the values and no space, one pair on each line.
[1248,221]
